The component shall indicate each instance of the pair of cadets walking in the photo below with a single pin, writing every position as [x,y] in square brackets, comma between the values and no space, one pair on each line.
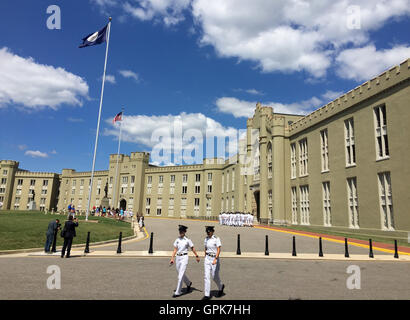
[211,264]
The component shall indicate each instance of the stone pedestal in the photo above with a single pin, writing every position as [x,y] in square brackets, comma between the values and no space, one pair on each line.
[105,202]
[32,205]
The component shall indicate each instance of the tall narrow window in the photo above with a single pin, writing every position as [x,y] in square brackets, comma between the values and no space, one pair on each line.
[324,150]
[326,204]
[293,160]
[269,160]
[350,143]
[380,122]
[386,201]
[223,183]
[294,206]
[353,203]
[304,205]
[303,157]
[233,180]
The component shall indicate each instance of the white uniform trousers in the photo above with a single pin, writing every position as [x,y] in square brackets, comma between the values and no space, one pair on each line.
[181,263]
[211,270]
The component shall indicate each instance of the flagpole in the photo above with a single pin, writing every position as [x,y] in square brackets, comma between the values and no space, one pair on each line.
[99,118]
[116,170]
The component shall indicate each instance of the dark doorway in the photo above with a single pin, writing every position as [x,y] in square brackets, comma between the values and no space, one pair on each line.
[123,204]
[256,195]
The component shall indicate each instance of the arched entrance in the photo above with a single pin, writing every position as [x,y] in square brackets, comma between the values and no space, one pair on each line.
[123,204]
[256,205]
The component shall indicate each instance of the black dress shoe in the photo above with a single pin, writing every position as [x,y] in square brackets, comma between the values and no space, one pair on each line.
[188,287]
[206,298]
[220,292]
[176,295]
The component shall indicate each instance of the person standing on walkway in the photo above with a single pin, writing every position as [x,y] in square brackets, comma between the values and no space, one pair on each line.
[52,227]
[212,262]
[68,234]
[181,247]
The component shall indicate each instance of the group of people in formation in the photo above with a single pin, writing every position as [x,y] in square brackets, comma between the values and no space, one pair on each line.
[236,219]
[212,264]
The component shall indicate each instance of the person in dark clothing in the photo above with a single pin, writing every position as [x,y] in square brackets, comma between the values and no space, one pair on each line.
[69,234]
[52,227]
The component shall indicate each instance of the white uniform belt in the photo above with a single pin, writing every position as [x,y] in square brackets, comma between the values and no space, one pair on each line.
[182,254]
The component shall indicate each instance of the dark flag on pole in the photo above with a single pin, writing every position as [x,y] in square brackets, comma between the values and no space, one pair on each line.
[95,38]
[118,117]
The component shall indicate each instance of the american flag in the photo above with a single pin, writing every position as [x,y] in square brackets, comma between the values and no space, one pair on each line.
[118,117]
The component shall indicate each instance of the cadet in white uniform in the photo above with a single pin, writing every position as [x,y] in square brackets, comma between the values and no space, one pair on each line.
[181,247]
[212,263]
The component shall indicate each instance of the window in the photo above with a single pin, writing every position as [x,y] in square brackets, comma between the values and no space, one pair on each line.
[269,160]
[132,179]
[3,180]
[149,190]
[111,179]
[44,192]
[196,202]
[223,183]
[5,172]
[209,188]
[159,211]
[209,176]
[233,180]
[349,142]
[160,189]
[149,179]
[197,189]
[233,203]
[171,190]
[147,211]
[294,206]
[184,189]
[382,143]
[303,157]
[304,205]
[326,204]
[352,203]
[386,201]
[148,201]
[197,177]
[17,201]
[324,150]
[20,182]
[124,180]
[172,178]
[184,178]
[74,182]
[161,179]
[227,181]
[81,182]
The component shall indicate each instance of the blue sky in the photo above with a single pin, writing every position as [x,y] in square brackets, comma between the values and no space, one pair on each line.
[206,62]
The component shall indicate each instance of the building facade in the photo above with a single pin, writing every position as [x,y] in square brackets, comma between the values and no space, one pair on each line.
[345,165]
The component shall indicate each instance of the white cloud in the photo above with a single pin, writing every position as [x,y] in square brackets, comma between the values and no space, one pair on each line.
[109,78]
[254,91]
[36,154]
[170,12]
[34,86]
[70,119]
[140,129]
[365,63]
[22,146]
[129,74]
[53,152]
[245,109]
[289,35]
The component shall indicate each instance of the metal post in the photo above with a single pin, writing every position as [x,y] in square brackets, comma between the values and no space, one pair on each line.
[320,247]
[87,244]
[294,247]
[119,243]
[98,122]
[396,252]
[346,249]
[266,246]
[371,249]
[151,244]
[238,250]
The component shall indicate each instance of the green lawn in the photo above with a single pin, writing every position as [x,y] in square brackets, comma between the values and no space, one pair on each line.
[402,239]
[27,229]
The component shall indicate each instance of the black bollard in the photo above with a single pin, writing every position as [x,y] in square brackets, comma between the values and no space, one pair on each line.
[396,252]
[54,247]
[266,246]
[346,249]
[151,240]
[294,247]
[87,244]
[320,247]
[119,243]
[238,250]
[371,249]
